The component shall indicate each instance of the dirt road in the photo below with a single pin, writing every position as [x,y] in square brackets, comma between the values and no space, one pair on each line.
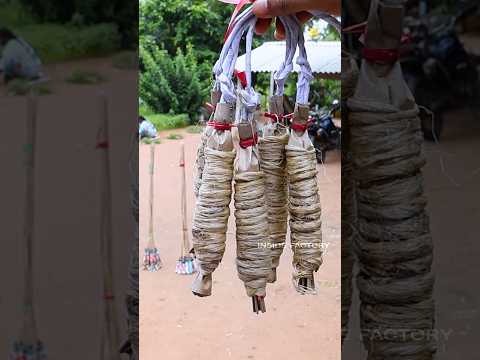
[67,260]
[176,325]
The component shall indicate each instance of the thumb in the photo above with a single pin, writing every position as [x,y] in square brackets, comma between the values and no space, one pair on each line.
[270,8]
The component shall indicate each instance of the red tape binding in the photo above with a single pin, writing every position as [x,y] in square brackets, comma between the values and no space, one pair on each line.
[249,142]
[108,297]
[383,56]
[103,145]
[299,127]
[219,126]
[182,164]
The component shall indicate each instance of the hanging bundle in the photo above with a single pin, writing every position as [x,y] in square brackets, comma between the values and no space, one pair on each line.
[212,208]
[185,264]
[272,156]
[349,216]
[28,346]
[394,246]
[253,248]
[151,257]
[109,341]
[304,200]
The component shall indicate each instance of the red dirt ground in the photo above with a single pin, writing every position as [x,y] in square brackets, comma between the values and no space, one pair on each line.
[176,325]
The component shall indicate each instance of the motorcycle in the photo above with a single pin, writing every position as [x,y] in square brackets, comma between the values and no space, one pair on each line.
[437,69]
[323,133]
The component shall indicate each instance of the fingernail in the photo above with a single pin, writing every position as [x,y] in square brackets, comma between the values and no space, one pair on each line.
[260,8]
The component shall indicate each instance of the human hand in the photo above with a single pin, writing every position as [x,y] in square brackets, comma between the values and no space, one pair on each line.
[267,9]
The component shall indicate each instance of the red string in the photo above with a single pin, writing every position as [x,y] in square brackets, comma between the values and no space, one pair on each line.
[219,126]
[273,116]
[299,127]
[103,145]
[108,297]
[241,76]
[249,142]
[384,56]
[182,164]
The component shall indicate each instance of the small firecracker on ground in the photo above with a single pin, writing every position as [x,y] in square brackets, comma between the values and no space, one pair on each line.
[28,346]
[110,335]
[185,264]
[151,257]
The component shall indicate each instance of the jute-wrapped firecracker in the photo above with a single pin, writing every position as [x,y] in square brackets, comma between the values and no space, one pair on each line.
[110,335]
[273,163]
[253,248]
[394,246]
[212,209]
[151,257]
[303,203]
[28,346]
[349,215]
[215,96]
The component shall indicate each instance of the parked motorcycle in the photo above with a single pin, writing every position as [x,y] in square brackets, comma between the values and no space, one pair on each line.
[437,69]
[323,133]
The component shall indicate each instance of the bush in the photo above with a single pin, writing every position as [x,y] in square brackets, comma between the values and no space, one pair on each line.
[19,87]
[167,121]
[170,85]
[85,77]
[127,60]
[174,137]
[56,43]
[89,12]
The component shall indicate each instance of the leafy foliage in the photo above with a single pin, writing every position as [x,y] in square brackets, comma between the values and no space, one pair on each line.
[89,12]
[170,84]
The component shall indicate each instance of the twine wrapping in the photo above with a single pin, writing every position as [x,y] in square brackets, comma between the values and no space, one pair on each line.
[349,215]
[211,216]
[253,248]
[207,132]
[28,346]
[304,208]
[394,246]
[273,165]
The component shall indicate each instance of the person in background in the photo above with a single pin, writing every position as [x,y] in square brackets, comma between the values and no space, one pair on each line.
[17,58]
[145,128]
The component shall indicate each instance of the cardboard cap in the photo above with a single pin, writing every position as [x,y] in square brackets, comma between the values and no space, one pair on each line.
[301,114]
[215,96]
[275,104]
[384,25]
[224,113]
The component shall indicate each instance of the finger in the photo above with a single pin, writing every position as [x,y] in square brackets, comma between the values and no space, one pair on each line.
[262,26]
[269,8]
[303,16]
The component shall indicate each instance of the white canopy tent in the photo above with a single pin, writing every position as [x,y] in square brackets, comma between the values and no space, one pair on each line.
[324,58]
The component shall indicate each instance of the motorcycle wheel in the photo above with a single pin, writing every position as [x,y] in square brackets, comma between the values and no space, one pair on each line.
[321,156]
[432,128]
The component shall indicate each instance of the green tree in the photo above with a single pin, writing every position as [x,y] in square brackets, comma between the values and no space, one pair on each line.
[170,84]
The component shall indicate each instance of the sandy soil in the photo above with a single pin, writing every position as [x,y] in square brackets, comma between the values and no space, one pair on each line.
[452,177]
[68,278]
[176,325]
